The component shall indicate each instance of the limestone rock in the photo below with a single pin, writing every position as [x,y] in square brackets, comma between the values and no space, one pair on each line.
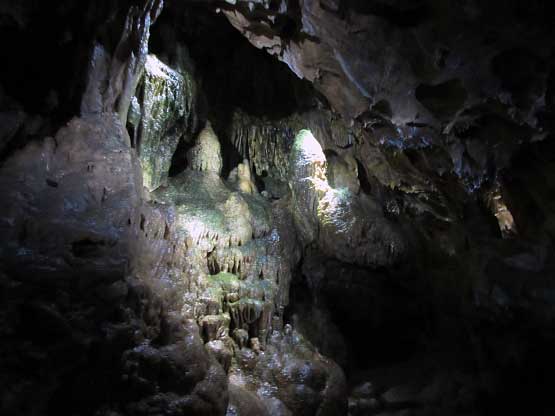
[267,143]
[252,311]
[214,327]
[112,80]
[297,380]
[242,179]
[207,211]
[77,198]
[346,226]
[245,403]
[181,377]
[223,250]
[206,155]
[430,73]
[222,352]
[241,337]
[160,114]
[342,173]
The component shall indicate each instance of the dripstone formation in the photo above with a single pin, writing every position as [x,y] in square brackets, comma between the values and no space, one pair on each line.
[276,208]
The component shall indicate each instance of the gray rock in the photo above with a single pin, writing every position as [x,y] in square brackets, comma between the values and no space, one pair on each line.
[77,201]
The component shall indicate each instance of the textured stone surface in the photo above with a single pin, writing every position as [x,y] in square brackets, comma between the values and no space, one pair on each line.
[406,54]
[112,80]
[73,231]
[205,155]
[242,178]
[395,207]
[160,115]
[291,377]
[76,199]
[346,226]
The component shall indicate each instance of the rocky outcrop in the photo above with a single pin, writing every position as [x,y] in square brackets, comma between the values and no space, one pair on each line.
[267,143]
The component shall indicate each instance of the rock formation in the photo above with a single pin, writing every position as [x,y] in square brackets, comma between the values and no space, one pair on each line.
[282,208]
[160,115]
[205,155]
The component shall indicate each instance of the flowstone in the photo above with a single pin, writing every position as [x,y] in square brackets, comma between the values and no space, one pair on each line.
[160,114]
[76,196]
[349,227]
[242,179]
[209,214]
[206,155]
[231,238]
[231,254]
[74,229]
[290,378]
[267,143]
[342,173]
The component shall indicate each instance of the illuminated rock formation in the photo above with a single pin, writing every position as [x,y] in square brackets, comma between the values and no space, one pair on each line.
[346,226]
[242,179]
[191,227]
[160,114]
[205,156]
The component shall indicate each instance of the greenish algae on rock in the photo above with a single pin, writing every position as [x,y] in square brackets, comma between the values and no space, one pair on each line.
[159,116]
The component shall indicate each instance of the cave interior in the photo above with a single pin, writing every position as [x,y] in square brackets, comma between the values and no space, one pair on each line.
[277,207]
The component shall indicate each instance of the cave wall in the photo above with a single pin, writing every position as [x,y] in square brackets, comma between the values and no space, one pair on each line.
[191,226]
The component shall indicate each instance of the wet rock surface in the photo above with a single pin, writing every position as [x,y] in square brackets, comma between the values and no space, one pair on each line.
[189,229]
[85,188]
[160,115]
[290,377]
